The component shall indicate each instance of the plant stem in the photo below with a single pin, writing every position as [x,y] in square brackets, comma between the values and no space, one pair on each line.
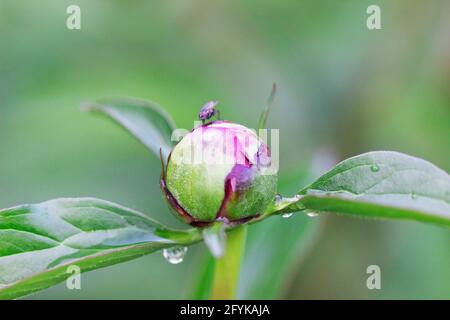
[227,268]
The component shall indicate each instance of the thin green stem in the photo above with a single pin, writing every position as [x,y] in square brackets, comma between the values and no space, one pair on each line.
[227,268]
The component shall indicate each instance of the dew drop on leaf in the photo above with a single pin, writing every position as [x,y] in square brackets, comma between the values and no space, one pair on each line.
[287,215]
[175,255]
[374,168]
[278,198]
[311,214]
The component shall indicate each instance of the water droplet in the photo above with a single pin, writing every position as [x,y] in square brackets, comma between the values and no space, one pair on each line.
[287,215]
[278,198]
[413,196]
[175,255]
[374,168]
[311,214]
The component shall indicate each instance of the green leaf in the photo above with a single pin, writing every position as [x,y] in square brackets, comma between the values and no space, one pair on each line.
[265,114]
[146,120]
[39,242]
[378,184]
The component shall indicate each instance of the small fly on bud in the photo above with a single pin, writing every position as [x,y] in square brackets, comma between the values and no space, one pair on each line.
[208,111]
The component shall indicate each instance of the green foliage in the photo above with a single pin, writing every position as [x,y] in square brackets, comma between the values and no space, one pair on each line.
[145,120]
[38,242]
[379,184]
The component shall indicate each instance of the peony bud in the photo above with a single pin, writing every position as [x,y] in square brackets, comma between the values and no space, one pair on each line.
[216,172]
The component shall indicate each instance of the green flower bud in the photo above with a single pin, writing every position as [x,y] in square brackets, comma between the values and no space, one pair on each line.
[219,171]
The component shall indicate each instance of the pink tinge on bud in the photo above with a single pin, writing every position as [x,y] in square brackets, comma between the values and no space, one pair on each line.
[223,142]
[214,173]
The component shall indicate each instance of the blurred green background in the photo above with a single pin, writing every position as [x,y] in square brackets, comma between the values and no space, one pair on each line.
[343,90]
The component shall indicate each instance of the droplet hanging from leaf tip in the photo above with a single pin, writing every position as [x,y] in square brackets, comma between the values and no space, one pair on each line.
[175,255]
[311,214]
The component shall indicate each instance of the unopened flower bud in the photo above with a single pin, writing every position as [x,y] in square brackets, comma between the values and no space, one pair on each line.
[216,172]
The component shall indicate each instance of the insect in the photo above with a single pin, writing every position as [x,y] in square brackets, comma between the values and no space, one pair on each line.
[209,110]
